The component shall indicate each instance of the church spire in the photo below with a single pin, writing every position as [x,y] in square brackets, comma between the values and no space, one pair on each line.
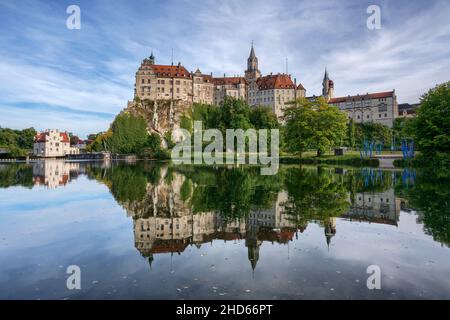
[252,61]
[325,76]
[152,58]
[327,86]
[252,52]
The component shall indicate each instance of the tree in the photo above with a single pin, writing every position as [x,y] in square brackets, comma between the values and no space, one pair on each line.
[351,133]
[129,134]
[18,142]
[262,117]
[74,140]
[432,124]
[372,131]
[298,130]
[233,114]
[330,126]
[26,138]
[314,124]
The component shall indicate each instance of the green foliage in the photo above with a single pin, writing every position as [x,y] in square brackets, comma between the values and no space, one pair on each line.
[372,131]
[18,142]
[262,117]
[99,143]
[432,124]
[403,128]
[314,195]
[168,138]
[430,197]
[233,114]
[15,174]
[314,124]
[129,134]
[186,190]
[186,123]
[153,148]
[351,134]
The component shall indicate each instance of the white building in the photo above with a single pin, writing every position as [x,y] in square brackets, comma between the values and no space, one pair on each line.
[379,107]
[52,144]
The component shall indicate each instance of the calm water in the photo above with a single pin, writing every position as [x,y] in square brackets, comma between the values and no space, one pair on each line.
[150,230]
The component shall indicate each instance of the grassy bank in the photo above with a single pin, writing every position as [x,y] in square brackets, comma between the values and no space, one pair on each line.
[351,158]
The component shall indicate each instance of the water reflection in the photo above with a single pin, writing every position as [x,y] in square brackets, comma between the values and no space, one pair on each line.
[173,208]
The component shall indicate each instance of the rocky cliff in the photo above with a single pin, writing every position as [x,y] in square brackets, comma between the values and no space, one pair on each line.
[162,116]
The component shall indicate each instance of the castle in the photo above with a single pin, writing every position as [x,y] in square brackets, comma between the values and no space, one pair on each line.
[175,83]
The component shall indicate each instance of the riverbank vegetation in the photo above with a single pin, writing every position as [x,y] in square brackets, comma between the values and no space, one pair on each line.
[430,129]
[17,143]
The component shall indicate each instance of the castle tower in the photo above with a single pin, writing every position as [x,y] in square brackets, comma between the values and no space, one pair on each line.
[327,86]
[252,73]
[330,230]
[152,58]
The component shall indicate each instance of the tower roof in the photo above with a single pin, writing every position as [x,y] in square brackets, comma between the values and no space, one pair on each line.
[325,76]
[252,52]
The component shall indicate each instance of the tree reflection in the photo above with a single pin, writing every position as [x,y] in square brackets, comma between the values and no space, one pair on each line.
[430,196]
[314,194]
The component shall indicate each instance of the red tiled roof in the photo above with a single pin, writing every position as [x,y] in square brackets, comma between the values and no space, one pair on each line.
[376,95]
[40,137]
[207,78]
[229,80]
[177,71]
[164,246]
[64,137]
[277,81]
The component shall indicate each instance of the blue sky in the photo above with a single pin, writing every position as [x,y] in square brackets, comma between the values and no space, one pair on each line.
[78,80]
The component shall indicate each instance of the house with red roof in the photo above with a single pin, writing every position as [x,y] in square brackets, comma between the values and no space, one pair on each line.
[52,144]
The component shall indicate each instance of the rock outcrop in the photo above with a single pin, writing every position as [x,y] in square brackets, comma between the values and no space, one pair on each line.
[162,116]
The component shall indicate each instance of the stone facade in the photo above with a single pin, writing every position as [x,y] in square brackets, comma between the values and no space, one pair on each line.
[235,87]
[162,82]
[380,107]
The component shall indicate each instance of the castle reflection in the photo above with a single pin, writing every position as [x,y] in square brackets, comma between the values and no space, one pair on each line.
[165,221]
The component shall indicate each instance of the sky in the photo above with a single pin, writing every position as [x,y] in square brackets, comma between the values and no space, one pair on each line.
[78,80]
